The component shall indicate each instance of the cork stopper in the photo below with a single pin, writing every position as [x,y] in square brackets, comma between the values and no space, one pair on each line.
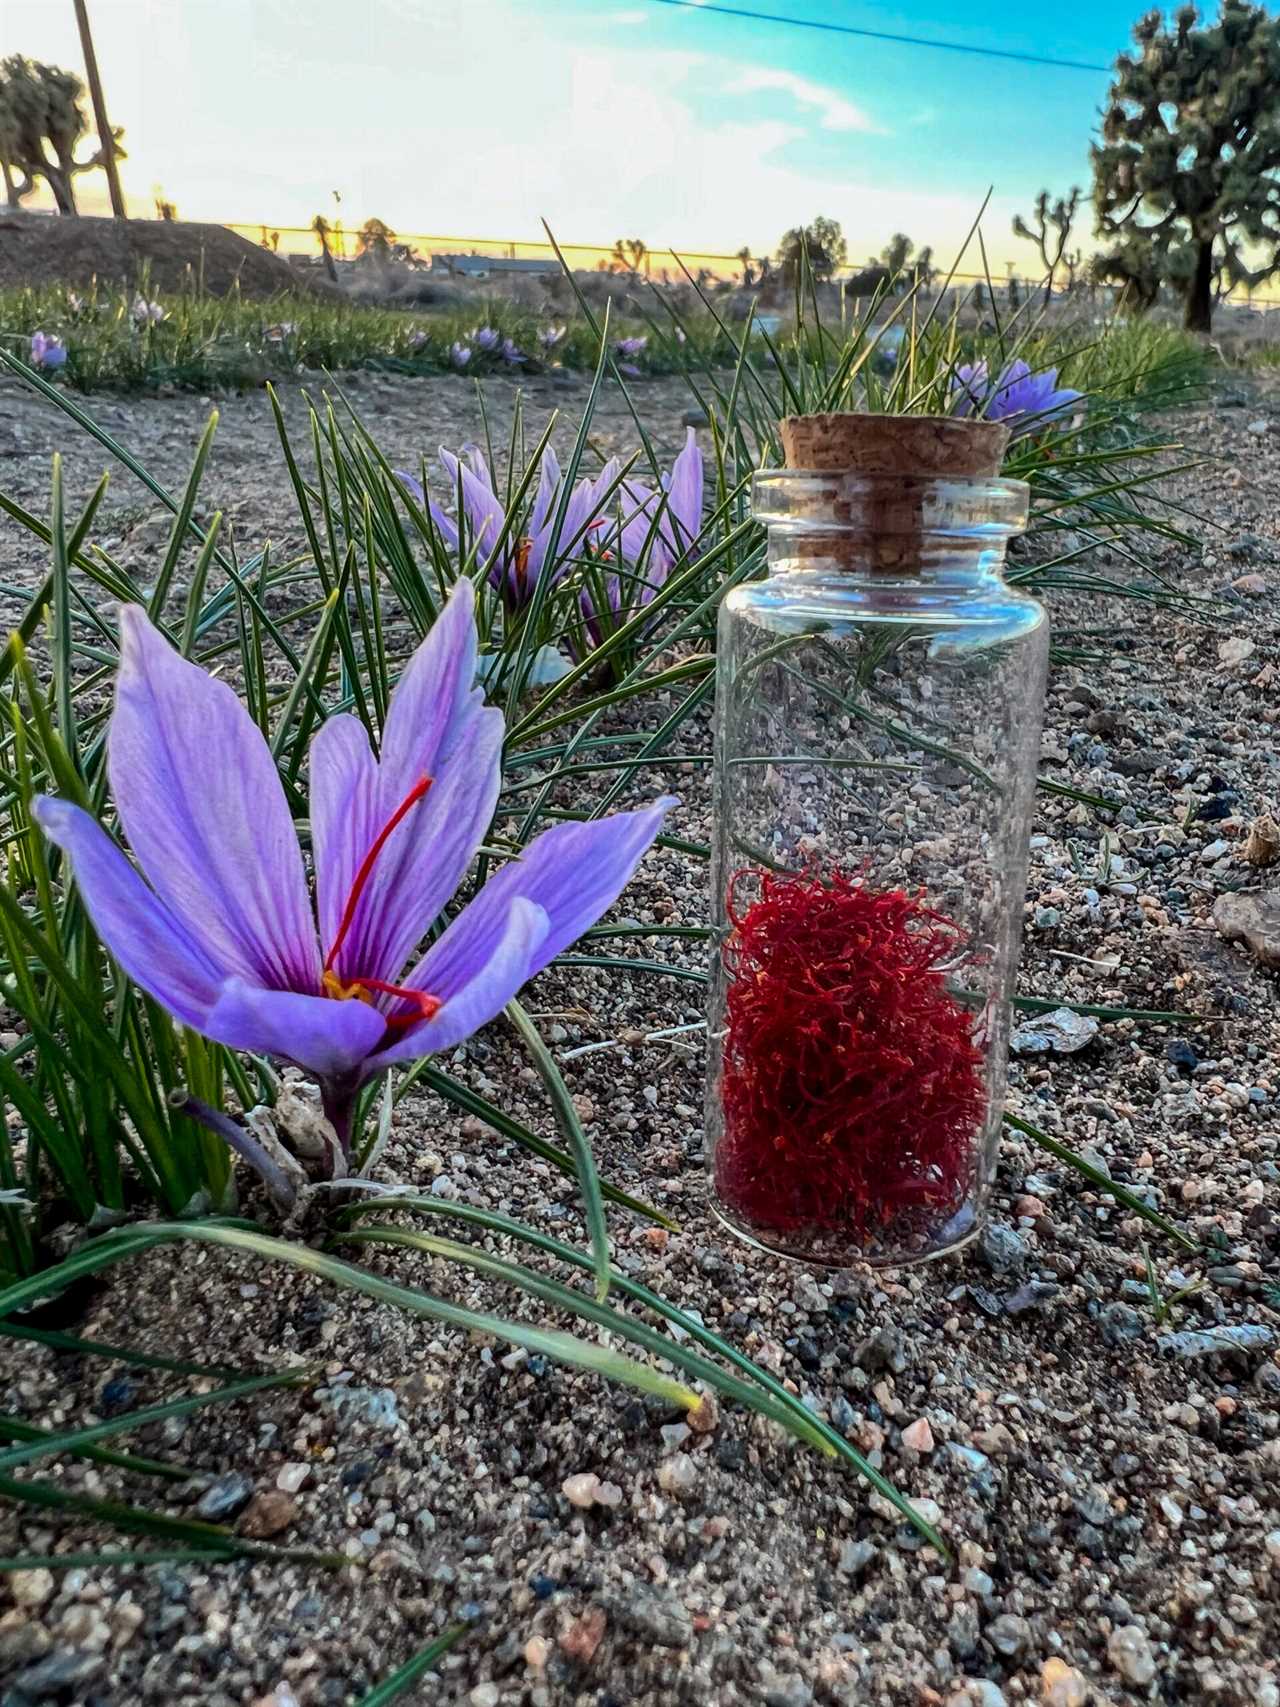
[882,467]
[932,446]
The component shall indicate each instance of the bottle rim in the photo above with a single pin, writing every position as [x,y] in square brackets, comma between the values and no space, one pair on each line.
[798,500]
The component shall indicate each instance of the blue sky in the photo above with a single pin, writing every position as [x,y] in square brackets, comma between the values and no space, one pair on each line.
[686,127]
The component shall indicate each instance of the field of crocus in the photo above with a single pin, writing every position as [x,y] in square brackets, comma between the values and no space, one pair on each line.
[287,826]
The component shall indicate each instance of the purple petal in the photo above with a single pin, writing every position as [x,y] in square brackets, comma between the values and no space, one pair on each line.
[437,726]
[684,495]
[203,809]
[475,992]
[151,945]
[484,513]
[548,486]
[327,1037]
[574,872]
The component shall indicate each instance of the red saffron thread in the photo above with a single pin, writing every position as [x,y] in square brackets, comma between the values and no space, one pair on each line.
[852,1087]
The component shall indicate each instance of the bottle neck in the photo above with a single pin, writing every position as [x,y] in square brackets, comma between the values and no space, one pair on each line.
[927,562]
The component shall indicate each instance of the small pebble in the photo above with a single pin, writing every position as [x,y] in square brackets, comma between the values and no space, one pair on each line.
[1130,1653]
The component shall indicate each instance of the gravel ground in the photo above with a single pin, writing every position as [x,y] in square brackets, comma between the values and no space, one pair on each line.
[1110,1482]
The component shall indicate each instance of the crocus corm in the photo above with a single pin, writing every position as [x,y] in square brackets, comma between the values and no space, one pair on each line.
[522,560]
[221,931]
[47,350]
[1024,400]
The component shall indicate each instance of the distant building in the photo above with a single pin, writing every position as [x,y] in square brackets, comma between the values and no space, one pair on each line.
[488,266]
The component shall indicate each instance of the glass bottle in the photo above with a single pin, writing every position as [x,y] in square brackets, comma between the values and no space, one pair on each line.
[878,712]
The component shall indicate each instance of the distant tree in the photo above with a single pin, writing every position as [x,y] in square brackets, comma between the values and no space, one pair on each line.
[824,244]
[748,266]
[896,253]
[164,209]
[376,243]
[1073,260]
[923,270]
[42,124]
[1051,231]
[269,240]
[1187,174]
[629,255]
[323,230]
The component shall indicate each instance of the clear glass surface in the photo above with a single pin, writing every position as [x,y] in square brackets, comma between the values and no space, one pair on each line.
[877,726]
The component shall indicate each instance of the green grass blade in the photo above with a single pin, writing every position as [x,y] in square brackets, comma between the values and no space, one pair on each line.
[393,1687]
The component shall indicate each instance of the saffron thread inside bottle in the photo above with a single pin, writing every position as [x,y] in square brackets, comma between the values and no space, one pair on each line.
[853,1089]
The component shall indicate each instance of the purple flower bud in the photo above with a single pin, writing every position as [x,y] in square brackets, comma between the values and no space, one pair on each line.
[47,350]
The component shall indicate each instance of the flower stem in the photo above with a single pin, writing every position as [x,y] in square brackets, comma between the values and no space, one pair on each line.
[279,1187]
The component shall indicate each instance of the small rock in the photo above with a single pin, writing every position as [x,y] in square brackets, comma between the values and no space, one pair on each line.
[978,1692]
[485,1695]
[374,1406]
[290,1477]
[537,1651]
[1181,1055]
[885,1349]
[918,1436]
[855,1556]
[658,1617]
[1062,1032]
[224,1498]
[678,1475]
[1062,1685]
[1003,1247]
[1252,586]
[695,418]
[1251,916]
[580,1641]
[1009,1635]
[581,1490]
[268,1513]
[704,1416]
[1214,851]
[978,1582]
[1241,1337]
[609,1495]
[1262,844]
[60,1671]
[31,1588]
[1130,1653]
[1120,1323]
[1236,650]
[1035,1295]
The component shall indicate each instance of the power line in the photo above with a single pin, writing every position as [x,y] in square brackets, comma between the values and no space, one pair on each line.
[883,35]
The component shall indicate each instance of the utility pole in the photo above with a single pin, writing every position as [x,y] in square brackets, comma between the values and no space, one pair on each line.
[105,135]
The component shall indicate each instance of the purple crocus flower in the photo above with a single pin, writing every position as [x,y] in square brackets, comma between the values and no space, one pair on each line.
[550,336]
[487,337]
[221,930]
[1027,401]
[630,347]
[522,560]
[460,355]
[47,350]
[511,352]
[651,535]
[418,339]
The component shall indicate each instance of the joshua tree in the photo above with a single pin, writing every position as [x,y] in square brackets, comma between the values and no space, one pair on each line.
[748,266]
[1051,232]
[896,253]
[629,254]
[823,243]
[39,106]
[376,242]
[923,270]
[1188,170]
[320,225]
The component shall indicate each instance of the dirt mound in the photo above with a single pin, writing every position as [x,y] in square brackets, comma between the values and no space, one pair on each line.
[40,249]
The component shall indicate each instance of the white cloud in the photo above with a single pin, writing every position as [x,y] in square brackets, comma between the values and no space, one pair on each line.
[836,112]
[455,119]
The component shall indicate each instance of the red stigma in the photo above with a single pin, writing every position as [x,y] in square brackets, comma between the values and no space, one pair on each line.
[852,1088]
[424,1006]
[415,794]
